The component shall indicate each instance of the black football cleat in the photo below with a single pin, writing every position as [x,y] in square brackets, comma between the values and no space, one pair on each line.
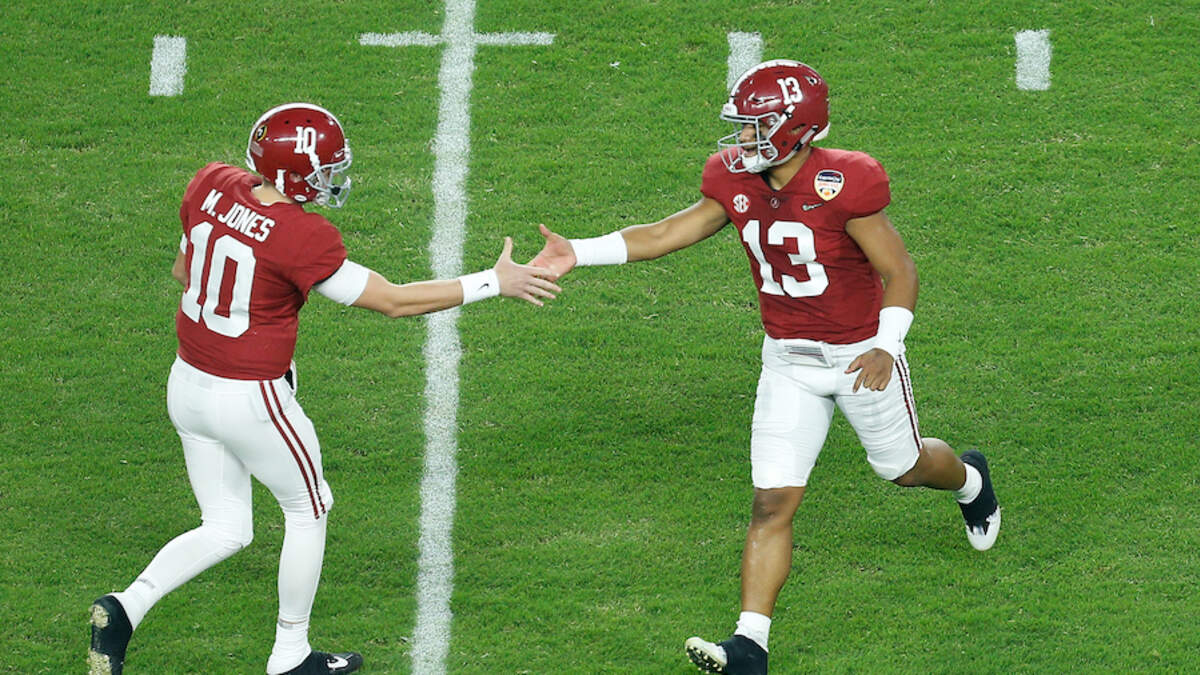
[983,514]
[739,655]
[111,631]
[324,663]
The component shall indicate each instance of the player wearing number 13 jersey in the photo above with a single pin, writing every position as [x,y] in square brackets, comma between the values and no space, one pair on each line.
[836,289]
[249,257]
[813,279]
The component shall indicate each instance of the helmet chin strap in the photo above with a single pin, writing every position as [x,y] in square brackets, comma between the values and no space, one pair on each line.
[757,164]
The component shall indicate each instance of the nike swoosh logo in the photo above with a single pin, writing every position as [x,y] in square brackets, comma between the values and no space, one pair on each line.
[337,662]
[486,285]
[810,207]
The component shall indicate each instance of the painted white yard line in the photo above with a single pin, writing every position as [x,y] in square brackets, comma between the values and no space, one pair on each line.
[745,51]
[443,351]
[399,40]
[168,65]
[514,39]
[417,39]
[1033,60]
[451,148]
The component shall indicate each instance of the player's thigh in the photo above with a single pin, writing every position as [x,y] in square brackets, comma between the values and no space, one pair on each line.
[886,422]
[278,444]
[219,479]
[222,487]
[788,429]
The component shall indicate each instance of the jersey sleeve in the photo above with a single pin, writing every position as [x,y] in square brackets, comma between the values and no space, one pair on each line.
[323,253]
[194,186]
[875,193]
[714,180]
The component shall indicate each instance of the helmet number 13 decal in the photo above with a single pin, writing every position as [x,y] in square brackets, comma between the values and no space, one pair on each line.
[806,255]
[306,140]
[790,87]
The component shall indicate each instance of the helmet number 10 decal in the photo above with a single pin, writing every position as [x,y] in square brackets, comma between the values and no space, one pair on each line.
[806,255]
[306,140]
[790,87]
[235,319]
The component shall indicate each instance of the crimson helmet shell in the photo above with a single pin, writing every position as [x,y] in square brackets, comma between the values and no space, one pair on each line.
[776,97]
[302,150]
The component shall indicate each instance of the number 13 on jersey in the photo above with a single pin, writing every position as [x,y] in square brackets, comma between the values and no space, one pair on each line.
[806,255]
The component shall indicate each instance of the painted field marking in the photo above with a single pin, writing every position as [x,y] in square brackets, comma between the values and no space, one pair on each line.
[1033,60]
[745,51]
[168,65]
[435,575]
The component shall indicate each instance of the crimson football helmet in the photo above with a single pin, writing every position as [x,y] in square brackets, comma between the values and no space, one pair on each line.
[775,97]
[305,140]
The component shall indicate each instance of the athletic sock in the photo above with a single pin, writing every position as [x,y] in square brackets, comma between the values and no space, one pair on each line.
[137,600]
[755,626]
[291,646]
[971,487]
[299,573]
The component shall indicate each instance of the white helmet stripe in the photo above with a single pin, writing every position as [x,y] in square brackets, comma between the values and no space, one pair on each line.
[755,69]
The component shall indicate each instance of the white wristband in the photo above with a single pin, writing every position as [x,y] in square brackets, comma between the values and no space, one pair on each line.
[607,250]
[479,286]
[894,322]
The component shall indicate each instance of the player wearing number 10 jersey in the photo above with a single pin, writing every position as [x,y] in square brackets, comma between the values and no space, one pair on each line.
[249,256]
[836,289]
[250,268]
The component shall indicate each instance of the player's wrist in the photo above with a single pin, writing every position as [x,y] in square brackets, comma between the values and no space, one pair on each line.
[609,249]
[479,286]
[894,322]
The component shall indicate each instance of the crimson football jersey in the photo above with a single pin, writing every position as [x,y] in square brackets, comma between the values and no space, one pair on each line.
[813,280]
[249,269]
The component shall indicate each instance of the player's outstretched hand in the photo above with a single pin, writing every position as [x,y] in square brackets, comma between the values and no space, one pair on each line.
[874,370]
[527,282]
[557,255]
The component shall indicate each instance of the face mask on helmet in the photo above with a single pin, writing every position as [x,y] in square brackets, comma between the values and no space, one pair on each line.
[757,153]
[331,185]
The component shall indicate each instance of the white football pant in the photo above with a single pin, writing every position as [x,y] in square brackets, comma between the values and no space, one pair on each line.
[232,430]
[801,382]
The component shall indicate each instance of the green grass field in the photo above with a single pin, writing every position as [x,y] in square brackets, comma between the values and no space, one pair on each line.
[603,464]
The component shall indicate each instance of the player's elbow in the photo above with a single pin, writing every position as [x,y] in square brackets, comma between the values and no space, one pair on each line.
[903,271]
[905,267]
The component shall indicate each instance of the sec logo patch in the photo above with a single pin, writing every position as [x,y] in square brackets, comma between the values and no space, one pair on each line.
[741,203]
[828,183]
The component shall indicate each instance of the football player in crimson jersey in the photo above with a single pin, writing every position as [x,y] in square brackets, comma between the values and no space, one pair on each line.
[249,256]
[836,289]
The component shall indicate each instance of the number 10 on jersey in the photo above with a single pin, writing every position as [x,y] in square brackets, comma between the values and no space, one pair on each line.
[225,250]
